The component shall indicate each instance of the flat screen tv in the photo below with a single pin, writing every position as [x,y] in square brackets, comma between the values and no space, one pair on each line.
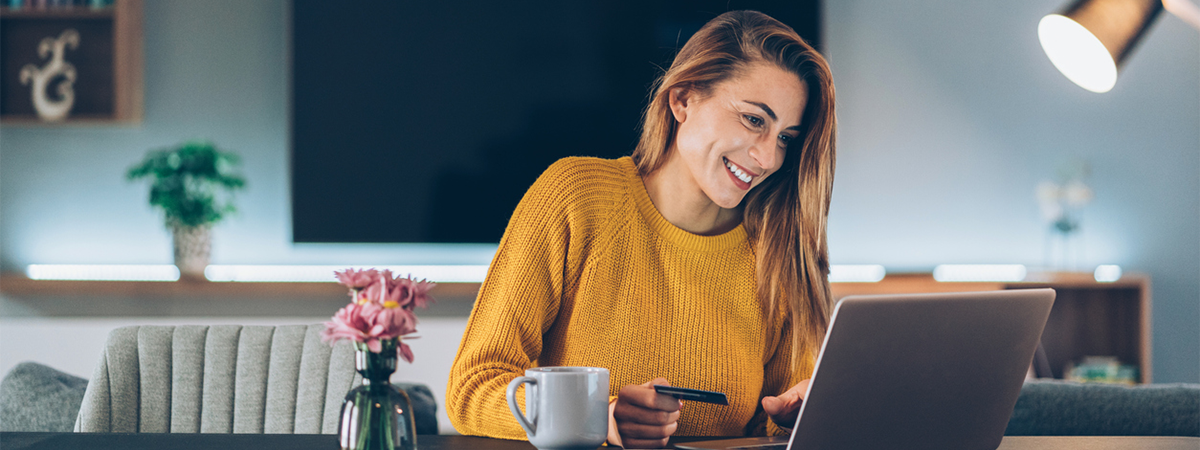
[425,122]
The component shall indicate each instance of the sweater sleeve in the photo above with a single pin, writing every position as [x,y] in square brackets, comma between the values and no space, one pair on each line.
[517,303]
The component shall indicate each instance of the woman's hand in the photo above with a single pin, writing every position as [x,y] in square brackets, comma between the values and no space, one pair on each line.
[644,418]
[784,408]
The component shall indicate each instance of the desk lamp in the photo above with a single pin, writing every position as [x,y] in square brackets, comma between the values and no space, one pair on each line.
[1091,39]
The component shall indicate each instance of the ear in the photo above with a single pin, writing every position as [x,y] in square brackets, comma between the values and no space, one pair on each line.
[679,98]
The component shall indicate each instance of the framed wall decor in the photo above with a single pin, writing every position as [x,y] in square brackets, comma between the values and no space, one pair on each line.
[70,61]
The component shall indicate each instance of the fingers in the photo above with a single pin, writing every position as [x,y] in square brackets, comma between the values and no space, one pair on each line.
[645,418]
[784,403]
[784,408]
[644,396]
[642,405]
[639,415]
[773,405]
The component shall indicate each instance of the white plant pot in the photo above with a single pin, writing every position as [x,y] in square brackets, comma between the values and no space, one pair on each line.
[193,247]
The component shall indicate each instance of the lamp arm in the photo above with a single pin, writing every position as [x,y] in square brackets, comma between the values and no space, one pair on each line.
[1185,10]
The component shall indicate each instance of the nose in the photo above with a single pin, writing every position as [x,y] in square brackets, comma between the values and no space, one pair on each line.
[762,151]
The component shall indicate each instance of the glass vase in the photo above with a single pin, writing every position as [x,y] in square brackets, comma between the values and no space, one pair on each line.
[377,415]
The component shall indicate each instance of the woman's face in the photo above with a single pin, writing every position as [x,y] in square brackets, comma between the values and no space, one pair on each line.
[736,136]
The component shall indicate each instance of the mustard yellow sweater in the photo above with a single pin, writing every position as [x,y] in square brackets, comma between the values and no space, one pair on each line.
[590,274]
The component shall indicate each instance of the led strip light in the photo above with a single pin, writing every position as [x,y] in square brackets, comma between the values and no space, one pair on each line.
[979,272]
[102,272]
[324,273]
[862,273]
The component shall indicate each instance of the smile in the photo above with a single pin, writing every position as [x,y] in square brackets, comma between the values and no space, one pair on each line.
[738,172]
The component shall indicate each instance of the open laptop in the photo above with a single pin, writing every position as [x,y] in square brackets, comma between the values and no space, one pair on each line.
[917,371]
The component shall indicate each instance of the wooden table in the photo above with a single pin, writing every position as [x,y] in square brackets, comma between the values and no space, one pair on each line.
[179,441]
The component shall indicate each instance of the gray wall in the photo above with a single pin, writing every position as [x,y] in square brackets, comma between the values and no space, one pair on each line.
[950,115]
[213,70]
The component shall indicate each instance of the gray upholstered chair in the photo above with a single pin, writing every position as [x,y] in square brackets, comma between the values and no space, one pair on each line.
[222,379]
[34,397]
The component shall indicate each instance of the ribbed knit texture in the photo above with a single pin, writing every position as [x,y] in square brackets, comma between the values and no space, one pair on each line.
[226,379]
[590,274]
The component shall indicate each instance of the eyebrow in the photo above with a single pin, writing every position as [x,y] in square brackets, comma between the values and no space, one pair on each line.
[764,107]
[771,113]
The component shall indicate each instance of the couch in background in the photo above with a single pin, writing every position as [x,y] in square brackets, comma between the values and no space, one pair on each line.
[1057,408]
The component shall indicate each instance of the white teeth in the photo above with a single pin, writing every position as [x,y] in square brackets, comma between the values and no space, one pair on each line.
[738,172]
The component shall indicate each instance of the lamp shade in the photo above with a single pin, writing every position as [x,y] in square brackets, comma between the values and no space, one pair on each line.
[1090,40]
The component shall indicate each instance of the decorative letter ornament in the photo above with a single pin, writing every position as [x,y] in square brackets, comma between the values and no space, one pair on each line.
[48,109]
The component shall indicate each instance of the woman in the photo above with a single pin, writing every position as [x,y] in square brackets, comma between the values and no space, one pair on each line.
[699,261]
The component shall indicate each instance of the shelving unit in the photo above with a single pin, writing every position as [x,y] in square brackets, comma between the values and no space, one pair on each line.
[1089,318]
[108,62]
[1097,319]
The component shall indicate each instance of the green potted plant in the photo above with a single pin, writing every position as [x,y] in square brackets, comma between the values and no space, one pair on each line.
[193,185]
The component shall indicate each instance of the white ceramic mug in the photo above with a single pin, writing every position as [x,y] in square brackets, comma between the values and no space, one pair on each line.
[567,407]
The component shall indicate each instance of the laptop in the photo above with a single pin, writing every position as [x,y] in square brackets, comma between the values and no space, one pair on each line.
[915,371]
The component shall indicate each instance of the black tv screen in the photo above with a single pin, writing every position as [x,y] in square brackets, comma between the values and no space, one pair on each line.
[424,122]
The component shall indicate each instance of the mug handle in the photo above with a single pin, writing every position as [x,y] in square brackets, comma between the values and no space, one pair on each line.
[512,403]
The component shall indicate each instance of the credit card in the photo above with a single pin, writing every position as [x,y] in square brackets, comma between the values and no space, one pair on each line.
[693,394]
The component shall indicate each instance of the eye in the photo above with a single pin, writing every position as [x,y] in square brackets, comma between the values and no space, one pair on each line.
[754,121]
[785,140]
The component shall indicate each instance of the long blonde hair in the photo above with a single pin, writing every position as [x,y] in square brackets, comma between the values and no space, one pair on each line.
[785,216]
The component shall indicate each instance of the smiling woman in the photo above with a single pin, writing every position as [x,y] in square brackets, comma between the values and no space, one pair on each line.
[698,261]
[729,141]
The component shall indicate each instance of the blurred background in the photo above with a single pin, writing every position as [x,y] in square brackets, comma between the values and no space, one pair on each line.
[950,117]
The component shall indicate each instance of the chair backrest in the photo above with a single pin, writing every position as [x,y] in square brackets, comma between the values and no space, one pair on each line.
[218,379]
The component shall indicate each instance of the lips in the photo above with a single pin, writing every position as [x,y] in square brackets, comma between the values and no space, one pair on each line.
[740,175]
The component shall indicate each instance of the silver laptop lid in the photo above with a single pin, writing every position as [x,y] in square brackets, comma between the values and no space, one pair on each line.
[921,371]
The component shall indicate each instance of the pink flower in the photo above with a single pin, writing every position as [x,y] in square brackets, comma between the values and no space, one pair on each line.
[400,292]
[406,352]
[356,279]
[404,292]
[347,323]
[420,293]
[367,323]
[397,321]
[409,293]
[376,292]
[382,310]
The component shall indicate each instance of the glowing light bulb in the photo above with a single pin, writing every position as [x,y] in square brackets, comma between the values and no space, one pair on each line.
[1077,53]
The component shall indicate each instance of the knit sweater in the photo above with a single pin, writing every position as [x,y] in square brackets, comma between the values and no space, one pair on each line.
[589,273]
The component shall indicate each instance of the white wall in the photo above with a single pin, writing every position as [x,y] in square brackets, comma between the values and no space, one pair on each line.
[950,114]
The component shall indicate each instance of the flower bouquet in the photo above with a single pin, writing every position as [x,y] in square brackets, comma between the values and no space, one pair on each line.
[380,315]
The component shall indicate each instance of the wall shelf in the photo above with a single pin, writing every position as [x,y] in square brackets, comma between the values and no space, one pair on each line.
[18,285]
[26,298]
[57,13]
[1089,318]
